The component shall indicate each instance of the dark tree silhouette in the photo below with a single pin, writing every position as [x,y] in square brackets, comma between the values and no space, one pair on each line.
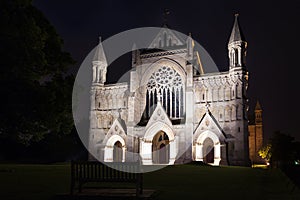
[283,149]
[35,88]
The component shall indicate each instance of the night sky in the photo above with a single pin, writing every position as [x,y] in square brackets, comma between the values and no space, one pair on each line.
[270,28]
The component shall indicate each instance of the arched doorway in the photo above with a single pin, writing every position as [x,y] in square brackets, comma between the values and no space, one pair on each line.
[117,152]
[208,151]
[115,149]
[160,148]
[208,148]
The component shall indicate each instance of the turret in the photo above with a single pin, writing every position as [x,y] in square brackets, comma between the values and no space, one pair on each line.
[99,64]
[190,47]
[136,59]
[237,47]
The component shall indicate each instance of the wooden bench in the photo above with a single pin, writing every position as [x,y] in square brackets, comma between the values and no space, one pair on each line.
[92,171]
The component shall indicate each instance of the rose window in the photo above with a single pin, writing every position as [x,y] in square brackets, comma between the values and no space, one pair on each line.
[165,84]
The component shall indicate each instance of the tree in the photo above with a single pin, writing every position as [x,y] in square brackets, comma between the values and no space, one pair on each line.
[265,152]
[281,150]
[35,87]
[282,147]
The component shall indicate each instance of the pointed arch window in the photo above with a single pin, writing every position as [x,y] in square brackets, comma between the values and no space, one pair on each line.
[160,44]
[170,41]
[235,57]
[232,57]
[165,39]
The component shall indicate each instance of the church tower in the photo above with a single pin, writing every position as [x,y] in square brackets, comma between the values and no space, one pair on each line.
[237,47]
[256,135]
[99,68]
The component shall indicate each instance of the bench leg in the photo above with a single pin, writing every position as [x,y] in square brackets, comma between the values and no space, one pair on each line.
[72,188]
[141,184]
[80,187]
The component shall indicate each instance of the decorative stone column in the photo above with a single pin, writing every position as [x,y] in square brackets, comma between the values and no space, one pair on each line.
[217,153]
[199,152]
[173,152]
[108,154]
[123,153]
[146,152]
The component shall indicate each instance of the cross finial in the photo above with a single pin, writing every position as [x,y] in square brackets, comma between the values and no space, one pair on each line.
[207,105]
[165,14]
[119,111]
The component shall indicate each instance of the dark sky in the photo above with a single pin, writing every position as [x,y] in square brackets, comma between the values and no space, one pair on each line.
[271,29]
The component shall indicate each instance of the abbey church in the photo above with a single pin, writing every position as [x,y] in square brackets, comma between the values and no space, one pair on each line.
[169,113]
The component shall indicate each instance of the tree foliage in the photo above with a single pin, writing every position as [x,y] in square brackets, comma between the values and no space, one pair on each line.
[36,92]
[281,149]
[265,152]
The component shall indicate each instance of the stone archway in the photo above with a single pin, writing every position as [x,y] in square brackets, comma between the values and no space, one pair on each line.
[146,143]
[114,150]
[160,148]
[204,140]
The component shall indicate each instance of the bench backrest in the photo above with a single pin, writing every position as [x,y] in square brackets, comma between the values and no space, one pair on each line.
[93,170]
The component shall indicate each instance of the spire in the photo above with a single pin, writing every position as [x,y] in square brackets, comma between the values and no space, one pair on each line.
[99,64]
[99,53]
[135,56]
[257,106]
[236,33]
[190,47]
[189,41]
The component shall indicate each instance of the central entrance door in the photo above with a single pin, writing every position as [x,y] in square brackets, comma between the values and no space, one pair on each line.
[208,151]
[160,148]
[118,153]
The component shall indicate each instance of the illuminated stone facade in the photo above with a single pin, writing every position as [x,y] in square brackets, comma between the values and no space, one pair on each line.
[169,112]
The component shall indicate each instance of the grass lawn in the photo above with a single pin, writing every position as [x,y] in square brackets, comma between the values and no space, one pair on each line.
[174,182]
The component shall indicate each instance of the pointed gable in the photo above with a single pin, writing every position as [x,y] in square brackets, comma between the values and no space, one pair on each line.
[208,122]
[159,115]
[166,38]
[118,127]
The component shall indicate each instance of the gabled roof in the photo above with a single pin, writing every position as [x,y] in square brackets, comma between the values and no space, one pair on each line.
[208,122]
[118,126]
[163,36]
[159,114]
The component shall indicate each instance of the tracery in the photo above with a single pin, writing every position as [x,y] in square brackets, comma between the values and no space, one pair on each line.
[167,85]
